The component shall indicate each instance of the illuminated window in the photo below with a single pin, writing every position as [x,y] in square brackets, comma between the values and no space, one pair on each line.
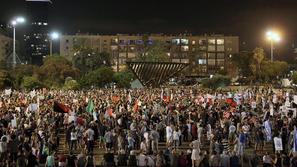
[211,62]
[45,24]
[184,48]
[115,41]
[202,42]
[220,41]
[211,47]
[176,41]
[220,48]
[139,42]
[193,42]
[201,61]
[150,41]
[184,41]
[211,41]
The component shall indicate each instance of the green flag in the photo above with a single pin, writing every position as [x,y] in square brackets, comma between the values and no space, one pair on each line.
[90,106]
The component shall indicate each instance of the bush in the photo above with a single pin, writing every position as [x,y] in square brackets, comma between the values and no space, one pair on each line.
[99,77]
[70,84]
[31,82]
[216,81]
[123,78]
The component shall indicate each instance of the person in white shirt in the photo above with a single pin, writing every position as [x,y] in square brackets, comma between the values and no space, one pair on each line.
[73,139]
[176,135]
[168,135]
[90,138]
[142,160]
[199,131]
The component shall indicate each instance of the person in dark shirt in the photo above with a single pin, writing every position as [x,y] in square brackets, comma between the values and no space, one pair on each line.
[122,158]
[109,158]
[71,159]
[32,161]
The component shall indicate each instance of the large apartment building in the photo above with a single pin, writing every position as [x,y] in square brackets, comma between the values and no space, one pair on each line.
[206,54]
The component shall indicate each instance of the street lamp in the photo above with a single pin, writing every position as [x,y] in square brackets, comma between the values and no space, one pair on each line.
[14,23]
[53,36]
[272,36]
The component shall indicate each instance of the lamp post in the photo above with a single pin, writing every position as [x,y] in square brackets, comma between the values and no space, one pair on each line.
[53,36]
[272,37]
[14,22]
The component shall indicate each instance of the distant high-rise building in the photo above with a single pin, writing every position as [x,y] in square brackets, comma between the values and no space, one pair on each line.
[37,43]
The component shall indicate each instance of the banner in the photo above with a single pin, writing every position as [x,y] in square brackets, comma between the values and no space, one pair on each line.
[278,144]
[8,92]
[33,107]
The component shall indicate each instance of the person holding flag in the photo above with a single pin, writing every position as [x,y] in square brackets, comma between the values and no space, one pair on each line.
[90,106]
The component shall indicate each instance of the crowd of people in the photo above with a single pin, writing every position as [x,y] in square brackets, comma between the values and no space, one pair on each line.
[225,128]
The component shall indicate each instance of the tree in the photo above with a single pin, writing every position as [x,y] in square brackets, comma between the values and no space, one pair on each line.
[99,77]
[5,79]
[70,84]
[88,60]
[272,70]
[243,61]
[216,82]
[55,70]
[31,82]
[155,52]
[258,57]
[22,71]
[123,78]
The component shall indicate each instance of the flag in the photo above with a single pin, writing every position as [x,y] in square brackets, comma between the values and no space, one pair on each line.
[295,140]
[61,108]
[231,102]
[267,130]
[33,107]
[135,107]
[90,106]
[109,111]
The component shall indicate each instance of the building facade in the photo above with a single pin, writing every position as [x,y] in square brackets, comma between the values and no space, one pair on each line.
[206,54]
[36,38]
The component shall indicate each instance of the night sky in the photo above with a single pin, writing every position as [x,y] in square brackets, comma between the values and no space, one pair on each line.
[249,19]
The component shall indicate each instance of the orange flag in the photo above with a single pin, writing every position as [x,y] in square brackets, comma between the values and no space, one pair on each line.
[135,107]
[109,111]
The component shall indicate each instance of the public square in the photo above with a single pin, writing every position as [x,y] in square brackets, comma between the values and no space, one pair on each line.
[148,84]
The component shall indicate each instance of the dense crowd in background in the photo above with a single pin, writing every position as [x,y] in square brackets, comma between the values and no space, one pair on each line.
[222,128]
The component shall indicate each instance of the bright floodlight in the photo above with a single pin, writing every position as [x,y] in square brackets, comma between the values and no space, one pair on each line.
[273,36]
[13,22]
[20,19]
[54,35]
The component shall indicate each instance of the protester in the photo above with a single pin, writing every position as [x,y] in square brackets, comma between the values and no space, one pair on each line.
[221,126]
